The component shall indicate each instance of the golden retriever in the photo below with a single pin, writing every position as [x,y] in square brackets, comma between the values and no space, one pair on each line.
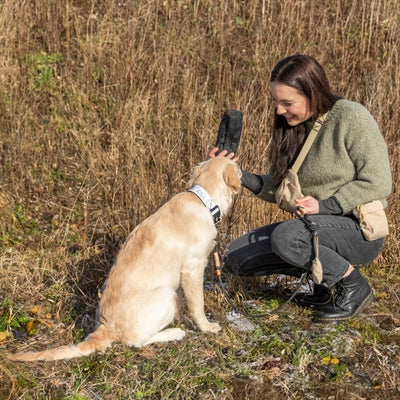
[166,251]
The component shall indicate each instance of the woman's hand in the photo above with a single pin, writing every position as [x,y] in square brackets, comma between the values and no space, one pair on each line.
[308,205]
[224,153]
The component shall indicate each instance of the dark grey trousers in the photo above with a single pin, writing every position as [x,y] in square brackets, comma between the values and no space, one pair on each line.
[287,246]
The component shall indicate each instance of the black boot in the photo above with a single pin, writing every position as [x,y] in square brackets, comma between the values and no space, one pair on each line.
[352,295]
[321,295]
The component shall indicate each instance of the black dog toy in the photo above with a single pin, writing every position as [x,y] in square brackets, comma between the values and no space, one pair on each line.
[229,132]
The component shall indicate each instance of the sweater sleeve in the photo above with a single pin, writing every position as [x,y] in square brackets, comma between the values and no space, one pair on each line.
[268,190]
[367,149]
[253,182]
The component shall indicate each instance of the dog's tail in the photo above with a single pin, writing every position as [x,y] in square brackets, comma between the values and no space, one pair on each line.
[100,340]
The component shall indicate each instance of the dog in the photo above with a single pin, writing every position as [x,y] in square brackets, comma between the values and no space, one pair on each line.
[167,251]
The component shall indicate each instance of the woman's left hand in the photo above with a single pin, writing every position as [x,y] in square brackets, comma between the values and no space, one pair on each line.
[308,205]
[224,153]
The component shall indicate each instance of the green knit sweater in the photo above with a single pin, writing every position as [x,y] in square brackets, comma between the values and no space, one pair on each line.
[347,160]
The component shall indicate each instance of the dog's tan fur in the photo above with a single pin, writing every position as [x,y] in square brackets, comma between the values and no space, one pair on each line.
[166,251]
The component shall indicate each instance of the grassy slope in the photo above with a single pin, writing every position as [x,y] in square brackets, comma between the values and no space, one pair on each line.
[104,109]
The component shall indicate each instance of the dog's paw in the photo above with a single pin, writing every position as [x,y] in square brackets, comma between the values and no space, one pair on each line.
[171,334]
[212,327]
[180,335]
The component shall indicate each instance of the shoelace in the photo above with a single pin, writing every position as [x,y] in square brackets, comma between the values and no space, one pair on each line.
[339,295]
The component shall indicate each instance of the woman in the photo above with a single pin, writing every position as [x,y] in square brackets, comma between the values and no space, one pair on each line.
[347,165]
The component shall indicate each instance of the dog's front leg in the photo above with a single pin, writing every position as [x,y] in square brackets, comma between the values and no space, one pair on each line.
[192,284]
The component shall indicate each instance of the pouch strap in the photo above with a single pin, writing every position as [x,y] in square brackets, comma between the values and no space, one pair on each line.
[310,225]
[307,144]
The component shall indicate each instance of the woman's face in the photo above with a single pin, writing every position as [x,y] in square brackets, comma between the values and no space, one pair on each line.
[290,103]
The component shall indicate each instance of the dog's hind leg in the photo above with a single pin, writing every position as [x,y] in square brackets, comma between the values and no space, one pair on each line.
[170,334]
[167,335]
[157,311]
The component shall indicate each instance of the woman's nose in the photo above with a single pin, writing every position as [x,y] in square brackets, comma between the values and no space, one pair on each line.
[280,110]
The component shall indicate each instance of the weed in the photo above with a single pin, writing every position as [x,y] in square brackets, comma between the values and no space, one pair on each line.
[42,67]
[12,317]
[57,174]
[23,217]
[370,333]
[77,396]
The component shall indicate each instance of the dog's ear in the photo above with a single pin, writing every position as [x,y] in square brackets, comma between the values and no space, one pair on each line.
[195,175]
[231,176]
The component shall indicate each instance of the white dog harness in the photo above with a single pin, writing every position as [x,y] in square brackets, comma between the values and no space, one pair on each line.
[202,194]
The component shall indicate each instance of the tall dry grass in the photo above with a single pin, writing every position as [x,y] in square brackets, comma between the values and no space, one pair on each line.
[105,106]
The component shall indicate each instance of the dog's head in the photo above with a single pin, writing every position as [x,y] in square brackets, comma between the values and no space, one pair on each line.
[210,173]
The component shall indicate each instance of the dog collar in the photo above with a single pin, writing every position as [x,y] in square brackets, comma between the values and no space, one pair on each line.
[202,194]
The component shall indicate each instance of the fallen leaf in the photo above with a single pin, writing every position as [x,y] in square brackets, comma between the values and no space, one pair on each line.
[382,295]
[326,360]
[334,361]
[36,310]
[48,324]
[4,335]
[29,327]
[330,360]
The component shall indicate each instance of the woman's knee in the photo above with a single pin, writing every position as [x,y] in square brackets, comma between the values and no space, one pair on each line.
[282,237]
[246,253]
[291,240]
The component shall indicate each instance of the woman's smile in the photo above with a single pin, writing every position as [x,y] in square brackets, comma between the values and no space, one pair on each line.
[291,103]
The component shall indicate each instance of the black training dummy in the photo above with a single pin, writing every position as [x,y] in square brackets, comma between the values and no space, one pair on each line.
[229,132]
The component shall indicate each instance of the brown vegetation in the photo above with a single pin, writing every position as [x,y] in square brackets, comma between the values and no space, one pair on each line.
[105,107]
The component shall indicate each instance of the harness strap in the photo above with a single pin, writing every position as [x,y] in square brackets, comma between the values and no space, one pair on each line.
[202,194]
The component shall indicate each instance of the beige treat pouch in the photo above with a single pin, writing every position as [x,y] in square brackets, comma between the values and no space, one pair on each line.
[372,219]
[288,191]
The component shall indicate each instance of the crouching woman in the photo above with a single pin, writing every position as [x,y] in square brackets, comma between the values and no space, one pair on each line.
[346,166]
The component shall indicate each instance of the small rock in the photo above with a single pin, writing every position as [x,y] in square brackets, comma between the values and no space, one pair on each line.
[239,323]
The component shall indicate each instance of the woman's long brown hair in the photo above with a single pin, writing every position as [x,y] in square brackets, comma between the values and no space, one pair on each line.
[305,74]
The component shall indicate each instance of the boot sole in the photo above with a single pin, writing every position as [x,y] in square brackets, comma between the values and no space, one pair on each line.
[314,304]
[367,301]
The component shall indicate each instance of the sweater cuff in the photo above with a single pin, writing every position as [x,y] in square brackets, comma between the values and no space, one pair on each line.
[330,206]
[252,182]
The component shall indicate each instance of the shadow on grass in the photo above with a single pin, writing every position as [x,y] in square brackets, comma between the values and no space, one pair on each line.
[87,277]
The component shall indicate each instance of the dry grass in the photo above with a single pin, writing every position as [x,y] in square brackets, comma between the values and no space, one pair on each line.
[104,109]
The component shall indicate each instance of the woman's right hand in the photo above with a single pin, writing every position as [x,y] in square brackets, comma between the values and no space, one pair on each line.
[308,205]
[224,153]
